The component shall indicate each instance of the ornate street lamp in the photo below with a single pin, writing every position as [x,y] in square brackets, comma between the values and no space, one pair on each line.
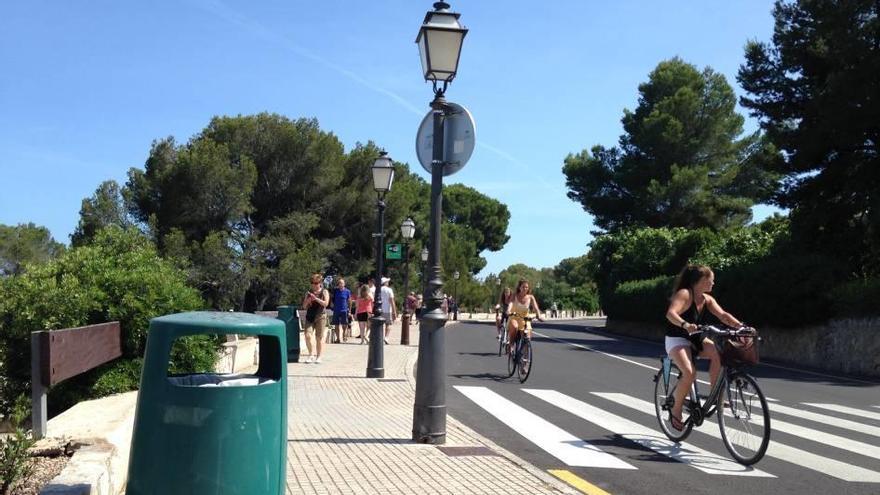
[383,176]
[439,40]
[407,231]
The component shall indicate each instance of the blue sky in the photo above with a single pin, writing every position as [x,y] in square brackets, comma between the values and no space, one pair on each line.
[85,87]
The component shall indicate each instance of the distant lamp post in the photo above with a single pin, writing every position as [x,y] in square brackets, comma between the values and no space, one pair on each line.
[455,275]
[424,256]
[383,176]
[407,231]
[439,39]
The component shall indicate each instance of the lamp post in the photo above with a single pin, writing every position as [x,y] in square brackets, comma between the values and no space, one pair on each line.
[407,230]
[439,40]
[424,256]
[455,296]
[383,175]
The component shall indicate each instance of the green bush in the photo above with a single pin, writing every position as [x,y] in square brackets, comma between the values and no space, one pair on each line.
[15,462]
[858,298]
[639,300]
[118,277]
[785,291]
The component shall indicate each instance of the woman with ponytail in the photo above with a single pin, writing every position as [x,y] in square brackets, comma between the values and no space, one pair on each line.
[687,311]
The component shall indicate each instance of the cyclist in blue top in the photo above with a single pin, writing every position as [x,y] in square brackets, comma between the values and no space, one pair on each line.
[687,311]
[341,319]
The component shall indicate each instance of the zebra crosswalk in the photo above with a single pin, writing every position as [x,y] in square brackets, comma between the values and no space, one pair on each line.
[597,409]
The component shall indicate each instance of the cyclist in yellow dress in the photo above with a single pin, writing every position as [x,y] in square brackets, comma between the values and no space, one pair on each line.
[518,309]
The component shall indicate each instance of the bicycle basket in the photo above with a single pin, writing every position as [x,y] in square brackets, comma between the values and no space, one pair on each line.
[738,351]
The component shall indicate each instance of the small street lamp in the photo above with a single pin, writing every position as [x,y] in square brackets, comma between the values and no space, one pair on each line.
[455,296]
[383,176]
[424,256]
[440,38]
[407,230]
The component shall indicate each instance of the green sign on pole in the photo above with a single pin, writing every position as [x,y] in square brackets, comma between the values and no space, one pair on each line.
[393,252]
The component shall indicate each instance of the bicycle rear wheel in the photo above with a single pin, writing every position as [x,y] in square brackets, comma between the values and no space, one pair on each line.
[664,398]
[745,424]
[525,360]
[502,342]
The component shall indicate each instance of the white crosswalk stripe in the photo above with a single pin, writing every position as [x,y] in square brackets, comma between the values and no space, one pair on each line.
[557,442]
[825,419]
[852,411]
[691,455]
[826,465]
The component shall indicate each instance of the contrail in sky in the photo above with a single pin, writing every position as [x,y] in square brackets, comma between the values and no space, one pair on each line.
[226,13]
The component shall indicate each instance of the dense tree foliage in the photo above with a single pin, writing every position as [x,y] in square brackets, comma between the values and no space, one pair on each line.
[255,203]
[23,244]
[681,161]
[106,207]
[815,91]
[119,276]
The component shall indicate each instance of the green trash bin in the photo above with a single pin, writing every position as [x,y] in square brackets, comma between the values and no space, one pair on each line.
[211,433]
[287,314]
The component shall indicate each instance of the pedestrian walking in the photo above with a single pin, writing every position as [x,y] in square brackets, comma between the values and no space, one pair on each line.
[364,307]
[314,303]
[341,299]
[389,306]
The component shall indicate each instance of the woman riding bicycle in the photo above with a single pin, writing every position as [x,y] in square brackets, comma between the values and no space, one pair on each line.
[518,309]
[501,308]
[690,299]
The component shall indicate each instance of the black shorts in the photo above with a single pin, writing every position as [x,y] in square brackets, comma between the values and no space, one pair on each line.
[363,316]
[340,319]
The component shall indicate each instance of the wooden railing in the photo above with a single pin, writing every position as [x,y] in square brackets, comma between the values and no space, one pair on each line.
[57,355]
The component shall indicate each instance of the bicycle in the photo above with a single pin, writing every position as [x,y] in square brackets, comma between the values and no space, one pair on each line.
[502,339]
[739,403]
[521,357]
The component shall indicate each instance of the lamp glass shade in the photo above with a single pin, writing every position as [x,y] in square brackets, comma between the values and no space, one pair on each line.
[424,254]
[455,275]
[383,174]
[440,39]
[408,229]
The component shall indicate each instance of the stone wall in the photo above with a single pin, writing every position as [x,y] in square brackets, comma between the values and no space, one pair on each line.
[850,346]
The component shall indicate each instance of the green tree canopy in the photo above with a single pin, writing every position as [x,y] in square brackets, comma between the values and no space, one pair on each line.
[255,203]
[815,90]
[680,163]
[23,244]
[106,207]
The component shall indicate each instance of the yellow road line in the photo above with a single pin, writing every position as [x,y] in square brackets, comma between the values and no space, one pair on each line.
[577,482]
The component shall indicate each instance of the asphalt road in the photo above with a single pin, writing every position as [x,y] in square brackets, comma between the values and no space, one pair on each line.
[825,429]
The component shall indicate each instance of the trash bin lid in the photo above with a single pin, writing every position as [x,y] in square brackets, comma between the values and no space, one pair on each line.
[195,322]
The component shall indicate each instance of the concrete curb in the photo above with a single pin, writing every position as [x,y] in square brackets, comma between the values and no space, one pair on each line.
[103,427]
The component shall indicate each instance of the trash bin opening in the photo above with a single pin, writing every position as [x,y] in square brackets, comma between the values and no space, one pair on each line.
[219,380]
[217,359]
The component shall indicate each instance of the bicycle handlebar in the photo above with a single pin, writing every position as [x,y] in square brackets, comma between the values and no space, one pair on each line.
[727,332]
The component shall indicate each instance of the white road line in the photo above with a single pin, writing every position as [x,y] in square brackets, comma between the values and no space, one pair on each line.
[826,465]
[587,348]
[691,455]
[557,442]
[826,420]
[866,449]
[845,409]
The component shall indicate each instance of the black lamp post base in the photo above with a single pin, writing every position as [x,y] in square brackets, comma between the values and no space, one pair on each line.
[376,358]
[427,417]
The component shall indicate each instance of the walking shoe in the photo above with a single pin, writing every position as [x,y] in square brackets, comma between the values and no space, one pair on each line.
[318,360]
[386,341]
[308,359]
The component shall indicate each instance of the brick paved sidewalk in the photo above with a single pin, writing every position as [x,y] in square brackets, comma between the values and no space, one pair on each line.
[352,435]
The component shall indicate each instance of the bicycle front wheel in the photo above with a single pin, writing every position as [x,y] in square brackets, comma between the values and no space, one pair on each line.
[664,398]
[744,420]
[525,360]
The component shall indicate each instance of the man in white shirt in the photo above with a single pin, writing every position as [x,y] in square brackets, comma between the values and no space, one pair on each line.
[389,307]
